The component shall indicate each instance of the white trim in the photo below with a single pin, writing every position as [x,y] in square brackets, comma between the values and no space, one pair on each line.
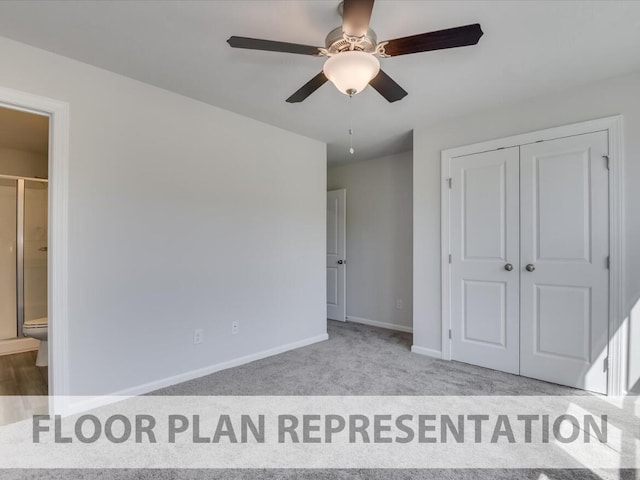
[58,113]
[18,345]
[429,352]
[82,404]
[375,323]
[445,245]
[617,324]
[554,133]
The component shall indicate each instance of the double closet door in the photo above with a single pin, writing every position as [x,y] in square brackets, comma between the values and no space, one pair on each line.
[529,260]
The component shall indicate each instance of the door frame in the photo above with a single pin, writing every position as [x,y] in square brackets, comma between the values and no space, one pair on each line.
[618,325]
[58,218]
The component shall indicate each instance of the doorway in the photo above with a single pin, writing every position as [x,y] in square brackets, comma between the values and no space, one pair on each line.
[336,255]
[24,159]
[56,195]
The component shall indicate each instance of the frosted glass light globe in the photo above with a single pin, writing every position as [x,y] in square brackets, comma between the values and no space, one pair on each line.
[351,71]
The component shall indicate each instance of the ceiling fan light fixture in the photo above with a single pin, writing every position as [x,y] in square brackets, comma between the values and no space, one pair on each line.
[351,71]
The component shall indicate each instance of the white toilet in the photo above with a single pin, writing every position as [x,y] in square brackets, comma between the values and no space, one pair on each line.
[38,328]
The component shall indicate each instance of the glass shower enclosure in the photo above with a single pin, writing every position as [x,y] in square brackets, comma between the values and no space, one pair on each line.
[23,253]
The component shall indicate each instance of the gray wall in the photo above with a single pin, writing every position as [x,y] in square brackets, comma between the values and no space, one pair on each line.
[379,238]
[181,216]
[615,96]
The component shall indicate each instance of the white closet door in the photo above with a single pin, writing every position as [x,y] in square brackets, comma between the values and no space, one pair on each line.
[485,259]
[564,249]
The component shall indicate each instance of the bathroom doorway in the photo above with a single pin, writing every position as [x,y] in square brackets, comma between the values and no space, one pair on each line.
[24,245]
[57,401]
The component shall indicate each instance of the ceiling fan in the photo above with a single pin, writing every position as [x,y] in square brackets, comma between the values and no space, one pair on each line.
[353,50]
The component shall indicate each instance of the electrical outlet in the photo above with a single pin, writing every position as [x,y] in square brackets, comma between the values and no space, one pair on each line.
[399,304]
[198,336]
[235,327]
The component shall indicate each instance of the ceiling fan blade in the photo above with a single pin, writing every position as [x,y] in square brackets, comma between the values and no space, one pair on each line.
[449,38]
[355,16]
[272,46]
[308,88]
[387,87]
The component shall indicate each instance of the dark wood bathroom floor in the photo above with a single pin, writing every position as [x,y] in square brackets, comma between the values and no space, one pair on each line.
[20,376]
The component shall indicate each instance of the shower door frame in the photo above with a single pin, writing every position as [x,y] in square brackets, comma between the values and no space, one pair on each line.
[58,240]
[20,212]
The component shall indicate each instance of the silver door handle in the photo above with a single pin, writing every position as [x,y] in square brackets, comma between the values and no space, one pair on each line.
[340,262]
[530,267]
[508,267]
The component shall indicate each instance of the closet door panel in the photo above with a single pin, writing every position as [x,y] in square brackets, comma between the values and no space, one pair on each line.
[485,259]
[564,243]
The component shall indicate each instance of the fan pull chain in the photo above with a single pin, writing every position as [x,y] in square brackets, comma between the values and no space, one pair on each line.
[351,150]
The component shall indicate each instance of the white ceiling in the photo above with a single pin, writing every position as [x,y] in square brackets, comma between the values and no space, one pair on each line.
[529,48]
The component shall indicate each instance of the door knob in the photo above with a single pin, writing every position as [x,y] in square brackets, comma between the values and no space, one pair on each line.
[508,267]
[530,267]
[340,262]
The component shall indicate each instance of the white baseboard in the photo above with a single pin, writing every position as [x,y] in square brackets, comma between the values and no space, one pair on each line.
[18,345]
[375,323]
[87,403]
[429,352]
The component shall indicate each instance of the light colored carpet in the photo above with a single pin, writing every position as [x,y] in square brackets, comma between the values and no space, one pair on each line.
[362,360]
[356,360]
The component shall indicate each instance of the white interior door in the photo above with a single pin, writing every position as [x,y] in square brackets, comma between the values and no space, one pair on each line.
[485,259]
[564,255]
[336,255]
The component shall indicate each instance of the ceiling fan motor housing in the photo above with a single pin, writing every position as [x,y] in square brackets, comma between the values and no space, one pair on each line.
[337,42]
